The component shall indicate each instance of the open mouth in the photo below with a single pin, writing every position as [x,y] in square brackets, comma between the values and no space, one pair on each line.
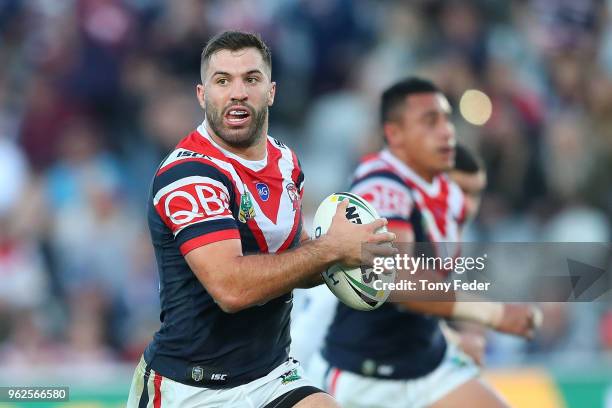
[237,116]
[447,151]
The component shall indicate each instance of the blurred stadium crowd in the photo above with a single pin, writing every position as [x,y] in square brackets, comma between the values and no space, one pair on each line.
[93,93]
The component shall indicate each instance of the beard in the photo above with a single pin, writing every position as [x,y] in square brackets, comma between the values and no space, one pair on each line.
[239,138]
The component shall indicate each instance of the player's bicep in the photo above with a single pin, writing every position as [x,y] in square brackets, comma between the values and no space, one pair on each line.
[212,264]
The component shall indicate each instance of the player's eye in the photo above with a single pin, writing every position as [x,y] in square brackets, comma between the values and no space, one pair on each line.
[222,81]
[252,80]
[431,120]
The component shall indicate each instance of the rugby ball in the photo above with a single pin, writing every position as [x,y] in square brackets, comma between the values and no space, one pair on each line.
[353,286]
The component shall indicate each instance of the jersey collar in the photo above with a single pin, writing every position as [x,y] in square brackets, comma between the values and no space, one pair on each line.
[432,189]
[255,165]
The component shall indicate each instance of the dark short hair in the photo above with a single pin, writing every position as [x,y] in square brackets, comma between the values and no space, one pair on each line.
[234,41]
[395,96]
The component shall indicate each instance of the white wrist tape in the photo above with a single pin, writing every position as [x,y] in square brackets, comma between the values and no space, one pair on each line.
[451,335]
[487,313]
[536,317]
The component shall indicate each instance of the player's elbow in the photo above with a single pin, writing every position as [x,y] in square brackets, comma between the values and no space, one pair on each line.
[230,306]
[227,293]
[227,308]
[224,289]
[231,302]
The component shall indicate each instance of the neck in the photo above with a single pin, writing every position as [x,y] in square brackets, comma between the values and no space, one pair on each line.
[254,152]
[422,172]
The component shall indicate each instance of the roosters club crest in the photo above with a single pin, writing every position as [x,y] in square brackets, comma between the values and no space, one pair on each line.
[294,196]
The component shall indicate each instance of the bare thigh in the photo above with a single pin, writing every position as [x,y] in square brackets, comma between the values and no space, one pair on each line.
[474,394]
[318,400]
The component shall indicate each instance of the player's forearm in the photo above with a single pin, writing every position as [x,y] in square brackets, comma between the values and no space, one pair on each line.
[486,313]
[311,281]
[256,279]
[451,335]
[440,309]
[454,305]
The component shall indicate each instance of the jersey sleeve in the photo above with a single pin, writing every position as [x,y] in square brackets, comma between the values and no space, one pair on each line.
[389,195]
[193,200]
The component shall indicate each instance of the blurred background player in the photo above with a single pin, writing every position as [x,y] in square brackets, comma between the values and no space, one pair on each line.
[469,174]
[471,177]
[398,353]
[225,219]
[310,321]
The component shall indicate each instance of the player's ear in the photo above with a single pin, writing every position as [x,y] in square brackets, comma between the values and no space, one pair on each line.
[390,130]
[271,93]
[201,95]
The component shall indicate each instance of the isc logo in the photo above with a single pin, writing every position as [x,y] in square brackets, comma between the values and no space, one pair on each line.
[218,377]
[188,153]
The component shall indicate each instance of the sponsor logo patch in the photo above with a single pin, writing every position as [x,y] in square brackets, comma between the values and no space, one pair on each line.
[246,207]
[218,377]
[192,200]
[290,376]
[263,190]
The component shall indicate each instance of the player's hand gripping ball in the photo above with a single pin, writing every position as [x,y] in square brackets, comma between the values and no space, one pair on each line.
[357,287]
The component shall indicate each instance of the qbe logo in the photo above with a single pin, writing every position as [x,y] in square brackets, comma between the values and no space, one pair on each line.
[194,202]
[386,198]
[263,191]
